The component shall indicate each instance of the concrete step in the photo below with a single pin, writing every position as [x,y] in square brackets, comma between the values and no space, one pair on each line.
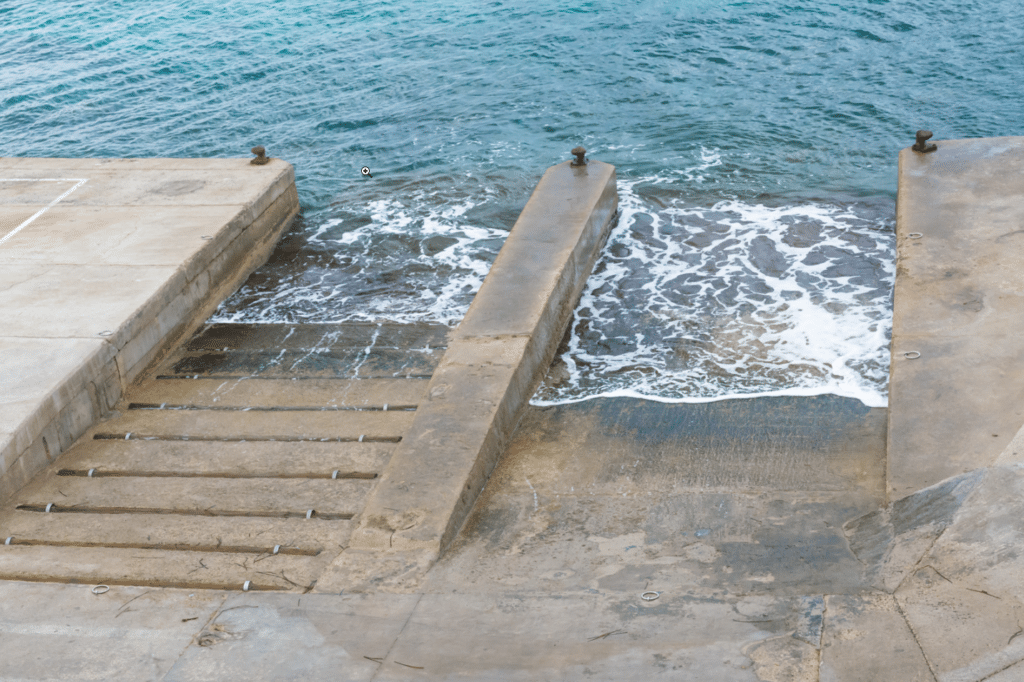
[157,568]
[308,393]
[200,496]
[306,537]
[259,458]
[223,336]
[196,482]
[286,363]
[256,425]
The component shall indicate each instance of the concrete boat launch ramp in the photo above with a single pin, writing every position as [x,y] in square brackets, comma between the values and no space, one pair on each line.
[369,501]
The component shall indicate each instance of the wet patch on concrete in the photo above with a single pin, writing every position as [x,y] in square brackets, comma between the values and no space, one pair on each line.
[244,336]
[305,351]
[323,362]
[822,443]
[739,497]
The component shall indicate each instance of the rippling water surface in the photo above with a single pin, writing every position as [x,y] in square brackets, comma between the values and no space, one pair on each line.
[755,145]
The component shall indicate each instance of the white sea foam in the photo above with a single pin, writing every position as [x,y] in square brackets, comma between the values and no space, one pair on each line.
[413,261]
[694,304]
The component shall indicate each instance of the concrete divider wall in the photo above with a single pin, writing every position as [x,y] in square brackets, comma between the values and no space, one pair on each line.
[113,276]
[493,363]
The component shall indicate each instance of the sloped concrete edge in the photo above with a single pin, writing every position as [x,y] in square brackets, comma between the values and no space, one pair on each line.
[475,399]
[89,392]
[90,388]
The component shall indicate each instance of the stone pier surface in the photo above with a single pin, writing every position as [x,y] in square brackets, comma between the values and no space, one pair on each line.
[104,265]
[956,390]
[373,501]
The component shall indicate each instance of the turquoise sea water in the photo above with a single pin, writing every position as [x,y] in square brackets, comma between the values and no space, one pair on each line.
[755,144]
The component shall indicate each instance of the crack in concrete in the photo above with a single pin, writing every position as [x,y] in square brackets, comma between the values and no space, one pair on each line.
[408,620]
[989,677]
[913,633]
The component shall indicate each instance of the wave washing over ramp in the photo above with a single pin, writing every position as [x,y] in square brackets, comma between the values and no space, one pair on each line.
[689,302]
[692,304]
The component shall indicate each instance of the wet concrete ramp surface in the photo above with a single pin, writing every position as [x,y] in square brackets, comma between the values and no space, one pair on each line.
[740,497]
[230,465]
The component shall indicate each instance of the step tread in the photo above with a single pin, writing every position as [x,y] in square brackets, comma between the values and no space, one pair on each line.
[313,425]
[323,363]
[156,568]
[241,458]
[309,393]
[315,535]
[206,495]
[319,335]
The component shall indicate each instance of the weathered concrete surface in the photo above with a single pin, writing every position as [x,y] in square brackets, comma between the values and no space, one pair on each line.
[494,360]
[952,557]
[64,632]
[94,290]
[959,302]
[867,639]
[175,635]
[757,523]
[622,494]
[217,482]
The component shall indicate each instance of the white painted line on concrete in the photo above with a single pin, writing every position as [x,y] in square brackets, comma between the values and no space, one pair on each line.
[78,183]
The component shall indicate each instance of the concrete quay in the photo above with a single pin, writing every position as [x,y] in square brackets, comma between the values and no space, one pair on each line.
[105,264]
[957,378]
[758,540]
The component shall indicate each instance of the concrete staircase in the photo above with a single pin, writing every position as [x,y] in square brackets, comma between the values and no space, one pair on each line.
[229,466]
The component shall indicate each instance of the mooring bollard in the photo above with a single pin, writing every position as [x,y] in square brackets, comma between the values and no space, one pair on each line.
[261,156]
[579,152]
[922,142]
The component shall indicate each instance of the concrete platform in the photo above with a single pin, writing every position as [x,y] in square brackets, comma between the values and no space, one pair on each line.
[959,306]
[800,576]
[758,540]
[105,264]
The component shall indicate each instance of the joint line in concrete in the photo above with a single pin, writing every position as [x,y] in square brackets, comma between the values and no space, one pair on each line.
[913,633]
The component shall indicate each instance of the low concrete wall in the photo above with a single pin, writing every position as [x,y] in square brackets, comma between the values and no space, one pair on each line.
[111,277]
[492,366]
[956,387]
